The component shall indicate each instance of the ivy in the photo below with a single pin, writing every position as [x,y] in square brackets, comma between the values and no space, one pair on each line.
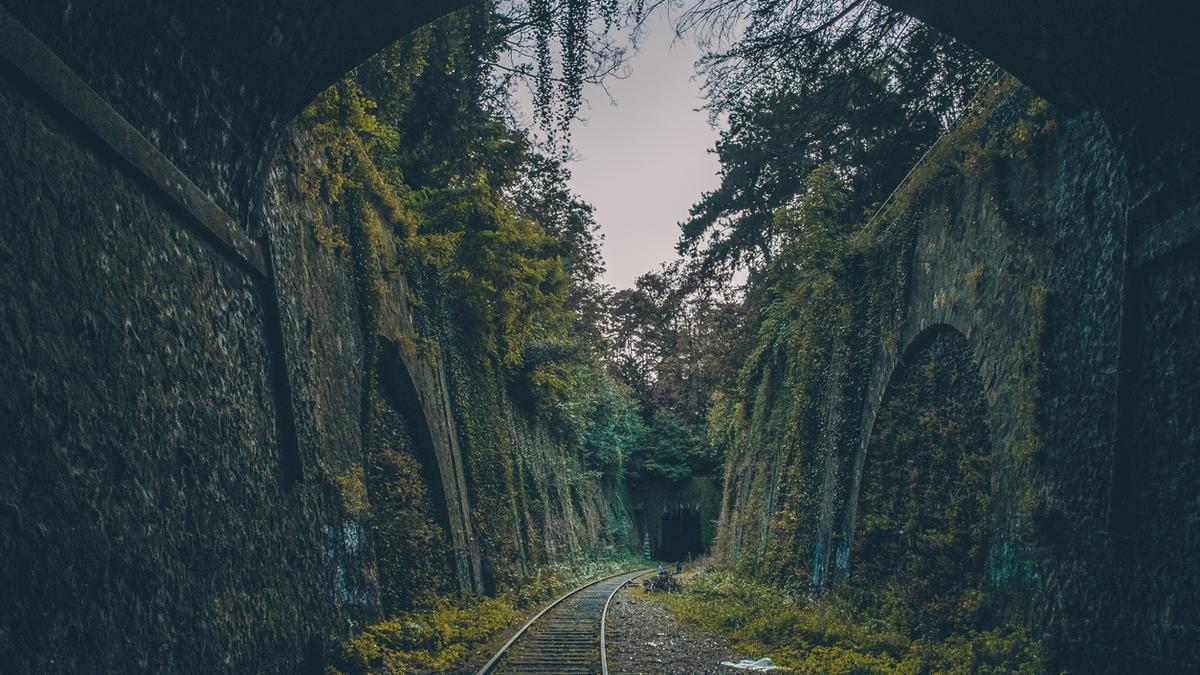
[833,293]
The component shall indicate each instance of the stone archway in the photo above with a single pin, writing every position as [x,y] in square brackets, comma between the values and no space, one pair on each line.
[409,507]
[922,531]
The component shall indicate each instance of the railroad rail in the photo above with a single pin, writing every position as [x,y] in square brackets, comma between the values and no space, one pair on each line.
[567,636]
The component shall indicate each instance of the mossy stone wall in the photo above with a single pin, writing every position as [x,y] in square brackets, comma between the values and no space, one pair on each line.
[154,515]
[1014,235]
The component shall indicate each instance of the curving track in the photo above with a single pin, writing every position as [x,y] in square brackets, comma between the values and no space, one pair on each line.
[565,638]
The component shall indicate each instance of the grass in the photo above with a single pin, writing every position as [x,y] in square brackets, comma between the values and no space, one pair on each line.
[452,633]
[827,635]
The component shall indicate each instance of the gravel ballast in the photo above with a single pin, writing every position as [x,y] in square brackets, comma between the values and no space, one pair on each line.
[644,638]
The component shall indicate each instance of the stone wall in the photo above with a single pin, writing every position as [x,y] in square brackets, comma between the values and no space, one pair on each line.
[204,439]
[212,85]
[148,522]
[1024,253]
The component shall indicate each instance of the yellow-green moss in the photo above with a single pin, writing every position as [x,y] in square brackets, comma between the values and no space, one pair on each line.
[438,640]
[1033,507]
[353,487]
[452,633]
[977,140]
[828,635]
[971,281]
[922,526]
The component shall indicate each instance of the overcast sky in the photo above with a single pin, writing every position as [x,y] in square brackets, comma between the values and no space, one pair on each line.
[644,161]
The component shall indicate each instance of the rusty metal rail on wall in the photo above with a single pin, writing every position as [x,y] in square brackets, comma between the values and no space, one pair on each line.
[55,79]
[36,65]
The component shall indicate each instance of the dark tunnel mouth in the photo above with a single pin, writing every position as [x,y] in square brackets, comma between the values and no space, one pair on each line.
[681,537]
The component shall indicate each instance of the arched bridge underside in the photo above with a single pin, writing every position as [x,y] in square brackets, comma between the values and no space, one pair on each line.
[167,331]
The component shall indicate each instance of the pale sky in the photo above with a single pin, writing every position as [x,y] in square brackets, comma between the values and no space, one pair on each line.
[644,161]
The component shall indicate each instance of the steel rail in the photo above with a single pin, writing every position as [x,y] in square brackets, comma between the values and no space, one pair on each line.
[604,620]
[504,650]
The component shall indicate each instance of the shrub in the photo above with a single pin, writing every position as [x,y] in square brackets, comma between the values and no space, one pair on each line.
[827,634]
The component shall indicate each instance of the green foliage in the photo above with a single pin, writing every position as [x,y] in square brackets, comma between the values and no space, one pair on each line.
[448,635]
[353,488]
[671,449]
[724,421]
[1006,120]
[1027,355]
[810,299]
[1035,505]
[346,132]
[925,501]
[829,635]
[436,641]
[780,43]
[410,545]
[673,344]
[418,170]
[544,196]
[832,294]
[674,347]
[594,413]
[828,291]
[871,119]
[416,134]
[503,270]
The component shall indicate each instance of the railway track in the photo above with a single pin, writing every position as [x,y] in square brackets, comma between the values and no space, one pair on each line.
[565,638]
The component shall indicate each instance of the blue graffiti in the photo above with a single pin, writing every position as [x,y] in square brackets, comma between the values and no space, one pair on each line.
[841,559]
[816,571]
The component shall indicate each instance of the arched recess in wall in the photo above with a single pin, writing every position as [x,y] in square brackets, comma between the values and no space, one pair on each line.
[410,514]
[922,525]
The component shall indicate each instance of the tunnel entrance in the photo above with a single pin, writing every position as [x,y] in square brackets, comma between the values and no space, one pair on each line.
[680,535]
[925,496]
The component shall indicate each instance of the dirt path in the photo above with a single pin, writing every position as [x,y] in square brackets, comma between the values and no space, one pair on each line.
[644,639]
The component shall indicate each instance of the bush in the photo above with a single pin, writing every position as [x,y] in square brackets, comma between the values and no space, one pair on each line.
[827,634]
[447,636]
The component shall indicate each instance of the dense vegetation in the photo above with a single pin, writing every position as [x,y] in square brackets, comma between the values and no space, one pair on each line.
[829,106]
[429,179]
[829,297]
[792,275]
[448,635]
[922,533]
[829,635]
[426,129]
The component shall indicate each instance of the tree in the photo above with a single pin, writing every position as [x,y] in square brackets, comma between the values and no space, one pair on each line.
[673,345]
[671,449]
[424,127]
[544,195]
[587,54]
[802,83]
[756,44]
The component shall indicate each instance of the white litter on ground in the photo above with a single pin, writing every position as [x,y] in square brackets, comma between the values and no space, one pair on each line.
[761,665]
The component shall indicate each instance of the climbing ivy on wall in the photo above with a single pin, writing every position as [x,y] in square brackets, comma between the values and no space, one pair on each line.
[419,172]
[830,301]
[831,292]
[410,542]
[924,505]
